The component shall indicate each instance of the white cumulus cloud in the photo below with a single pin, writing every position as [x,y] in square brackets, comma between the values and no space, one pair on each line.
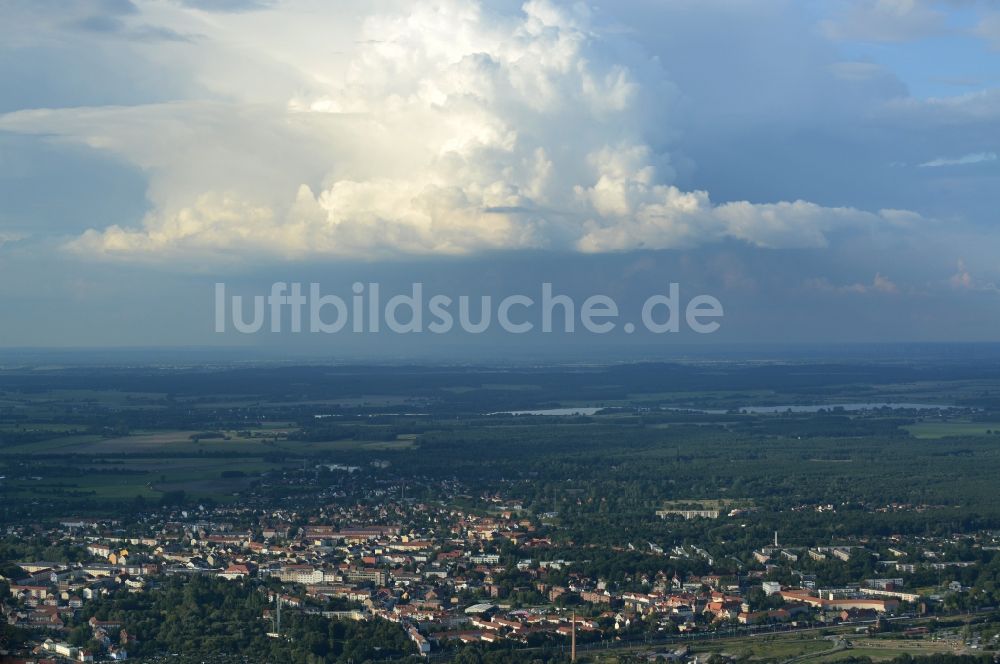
[441,128]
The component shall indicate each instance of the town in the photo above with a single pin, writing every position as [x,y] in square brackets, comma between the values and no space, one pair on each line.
[297,529]
[449,576]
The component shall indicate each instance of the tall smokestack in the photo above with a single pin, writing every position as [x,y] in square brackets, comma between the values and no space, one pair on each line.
[572,641]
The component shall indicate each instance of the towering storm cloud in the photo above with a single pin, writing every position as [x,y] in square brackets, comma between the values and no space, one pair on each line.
[445,127]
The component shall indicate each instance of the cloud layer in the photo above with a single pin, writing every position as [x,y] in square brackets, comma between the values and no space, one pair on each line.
[442,128]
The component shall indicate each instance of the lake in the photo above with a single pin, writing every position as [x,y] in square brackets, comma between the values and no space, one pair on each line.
[583,410]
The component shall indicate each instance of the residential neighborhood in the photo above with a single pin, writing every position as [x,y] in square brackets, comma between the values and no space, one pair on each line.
[451,576]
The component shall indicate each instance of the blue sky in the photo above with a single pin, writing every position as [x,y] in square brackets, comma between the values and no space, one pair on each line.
[828,170]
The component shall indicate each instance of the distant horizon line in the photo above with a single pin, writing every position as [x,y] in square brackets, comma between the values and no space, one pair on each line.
[12,357]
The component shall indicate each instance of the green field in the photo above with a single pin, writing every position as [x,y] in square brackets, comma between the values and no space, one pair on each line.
[149,478]
[805,647]
[770,647]
[152,463]
[181,442]
[946,429]
[886,649]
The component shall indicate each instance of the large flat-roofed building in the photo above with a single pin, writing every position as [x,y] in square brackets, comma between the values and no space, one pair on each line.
[886,605]
[689,514]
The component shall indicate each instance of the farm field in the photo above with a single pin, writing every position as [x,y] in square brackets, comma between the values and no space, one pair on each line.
[148,478]
[798,647]
[932,430]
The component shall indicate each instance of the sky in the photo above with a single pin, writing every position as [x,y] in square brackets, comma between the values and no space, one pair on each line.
[826,169]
